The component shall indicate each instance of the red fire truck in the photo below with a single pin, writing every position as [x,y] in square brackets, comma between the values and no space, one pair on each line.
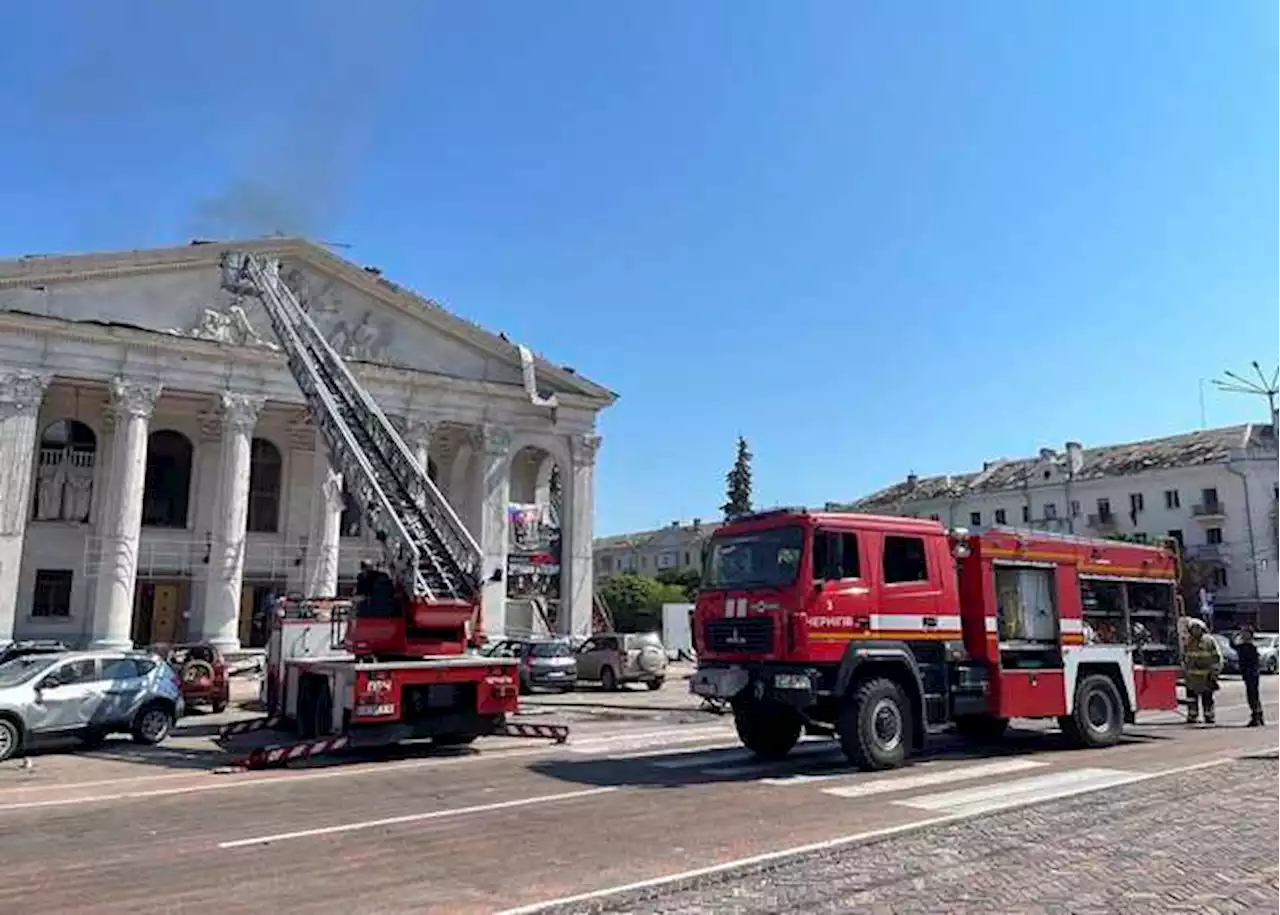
[881,630]
[397,661]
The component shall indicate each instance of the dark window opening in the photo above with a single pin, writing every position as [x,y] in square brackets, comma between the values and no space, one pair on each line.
[835,556]
[52,595]
[904,560]
[266,471]
[167,491]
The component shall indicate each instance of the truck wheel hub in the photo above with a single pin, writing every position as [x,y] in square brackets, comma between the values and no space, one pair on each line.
[1097,711]
[886,724]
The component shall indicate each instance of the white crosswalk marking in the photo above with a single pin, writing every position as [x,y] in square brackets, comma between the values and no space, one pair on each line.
[909,781]
[988,798]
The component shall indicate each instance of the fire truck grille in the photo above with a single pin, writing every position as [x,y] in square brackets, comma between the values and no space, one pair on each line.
[744,636]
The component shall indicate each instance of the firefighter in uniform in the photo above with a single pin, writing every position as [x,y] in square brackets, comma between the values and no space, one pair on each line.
[1202,662]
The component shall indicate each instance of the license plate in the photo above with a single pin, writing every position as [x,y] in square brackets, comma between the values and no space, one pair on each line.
[374,710]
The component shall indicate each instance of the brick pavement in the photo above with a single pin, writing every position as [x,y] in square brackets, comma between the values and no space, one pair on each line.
[1140,848]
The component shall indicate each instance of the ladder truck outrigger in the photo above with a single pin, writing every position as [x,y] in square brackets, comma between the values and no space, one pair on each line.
[398,661]
[881,630]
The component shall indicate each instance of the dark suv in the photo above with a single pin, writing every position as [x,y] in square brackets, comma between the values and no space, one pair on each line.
[546,663]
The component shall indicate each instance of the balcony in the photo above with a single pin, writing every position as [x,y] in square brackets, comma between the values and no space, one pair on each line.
[1104,521]
[1209,511]
[1207,552]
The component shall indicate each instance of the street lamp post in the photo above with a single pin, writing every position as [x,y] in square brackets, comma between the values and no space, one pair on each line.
[1261,388]
[1266,388]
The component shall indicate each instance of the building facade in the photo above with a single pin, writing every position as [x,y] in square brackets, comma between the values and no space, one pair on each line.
[1214,490]
[161,478]
[676,548]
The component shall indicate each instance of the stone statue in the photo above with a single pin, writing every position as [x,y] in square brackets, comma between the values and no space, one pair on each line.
[230,327]
[49,485]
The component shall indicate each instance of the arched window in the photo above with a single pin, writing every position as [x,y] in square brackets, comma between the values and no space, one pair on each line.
[167,493]
[266,470]
[64,476]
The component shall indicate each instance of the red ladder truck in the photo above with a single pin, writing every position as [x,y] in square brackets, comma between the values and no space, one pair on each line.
[881,630]
[397,662]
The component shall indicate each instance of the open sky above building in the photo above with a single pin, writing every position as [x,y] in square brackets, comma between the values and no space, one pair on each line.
[873,238]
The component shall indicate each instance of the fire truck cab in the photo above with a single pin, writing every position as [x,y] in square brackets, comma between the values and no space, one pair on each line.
[881,630]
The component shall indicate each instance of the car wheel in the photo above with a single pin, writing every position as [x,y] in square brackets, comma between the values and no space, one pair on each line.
[608,679]
[152,725]
[10,738]
[655,685]
[219,706]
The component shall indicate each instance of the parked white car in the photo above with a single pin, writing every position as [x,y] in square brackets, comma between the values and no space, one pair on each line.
[1268,643]
[617,658]
[86,694]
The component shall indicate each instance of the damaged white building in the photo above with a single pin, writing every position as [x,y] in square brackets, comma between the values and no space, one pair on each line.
[1214,490]
[161,480]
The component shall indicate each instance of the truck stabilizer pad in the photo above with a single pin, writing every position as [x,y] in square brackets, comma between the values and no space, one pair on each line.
[283,755]
[557,732]
[244,727]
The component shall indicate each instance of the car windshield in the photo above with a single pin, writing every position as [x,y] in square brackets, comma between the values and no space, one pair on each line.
[549,650]
[761,559]
[20,670]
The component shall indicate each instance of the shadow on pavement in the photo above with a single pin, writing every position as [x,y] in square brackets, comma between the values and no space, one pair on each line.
[820,758]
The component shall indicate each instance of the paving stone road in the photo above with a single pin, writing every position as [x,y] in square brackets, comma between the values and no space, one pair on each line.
[1203,842]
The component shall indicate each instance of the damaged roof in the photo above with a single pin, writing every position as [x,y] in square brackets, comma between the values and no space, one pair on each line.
[683,533]
[1206,446]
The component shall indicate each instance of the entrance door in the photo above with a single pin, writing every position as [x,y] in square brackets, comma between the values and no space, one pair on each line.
[248,594]
[164,614]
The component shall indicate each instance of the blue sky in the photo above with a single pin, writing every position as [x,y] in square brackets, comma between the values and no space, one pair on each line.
[873,237]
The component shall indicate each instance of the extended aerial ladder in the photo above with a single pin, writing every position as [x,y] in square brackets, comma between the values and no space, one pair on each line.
[433,559]
[403,668]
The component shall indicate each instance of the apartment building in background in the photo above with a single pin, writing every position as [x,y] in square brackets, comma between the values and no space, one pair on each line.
[1214,490]
[678,546]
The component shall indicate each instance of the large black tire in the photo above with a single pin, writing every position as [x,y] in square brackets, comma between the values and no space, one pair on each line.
[655,685]
[875,726]
[219,706]
[1098,717]
[767,733]
[608,679]
[10,738]
[981,727]
[152,724]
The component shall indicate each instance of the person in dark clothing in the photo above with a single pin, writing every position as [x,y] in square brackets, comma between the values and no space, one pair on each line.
[1250,671]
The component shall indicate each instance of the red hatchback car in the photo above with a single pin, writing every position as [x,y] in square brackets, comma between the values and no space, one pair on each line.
[202,672]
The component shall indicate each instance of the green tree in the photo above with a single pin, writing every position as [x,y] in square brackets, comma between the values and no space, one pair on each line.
[636,601]
[738,484]
[687,580]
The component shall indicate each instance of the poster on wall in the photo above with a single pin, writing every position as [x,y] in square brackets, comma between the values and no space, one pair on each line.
[533,552]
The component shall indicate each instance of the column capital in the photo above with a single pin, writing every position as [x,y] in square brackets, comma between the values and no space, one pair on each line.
[583,448]
[21,392]
[240,411]
[495,440]
[132,398]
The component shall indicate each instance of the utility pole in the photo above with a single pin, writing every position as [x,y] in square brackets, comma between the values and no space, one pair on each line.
[1270,389]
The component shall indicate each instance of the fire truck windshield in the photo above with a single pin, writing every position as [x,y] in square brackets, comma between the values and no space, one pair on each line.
[761,559]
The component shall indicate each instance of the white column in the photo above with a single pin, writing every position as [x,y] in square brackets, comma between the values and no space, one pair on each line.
[493,483]
[326,526]
[130,408]
[20,397]
[220,622]
[577,530]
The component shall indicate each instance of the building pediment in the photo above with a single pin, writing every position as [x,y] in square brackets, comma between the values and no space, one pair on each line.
[178,292]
